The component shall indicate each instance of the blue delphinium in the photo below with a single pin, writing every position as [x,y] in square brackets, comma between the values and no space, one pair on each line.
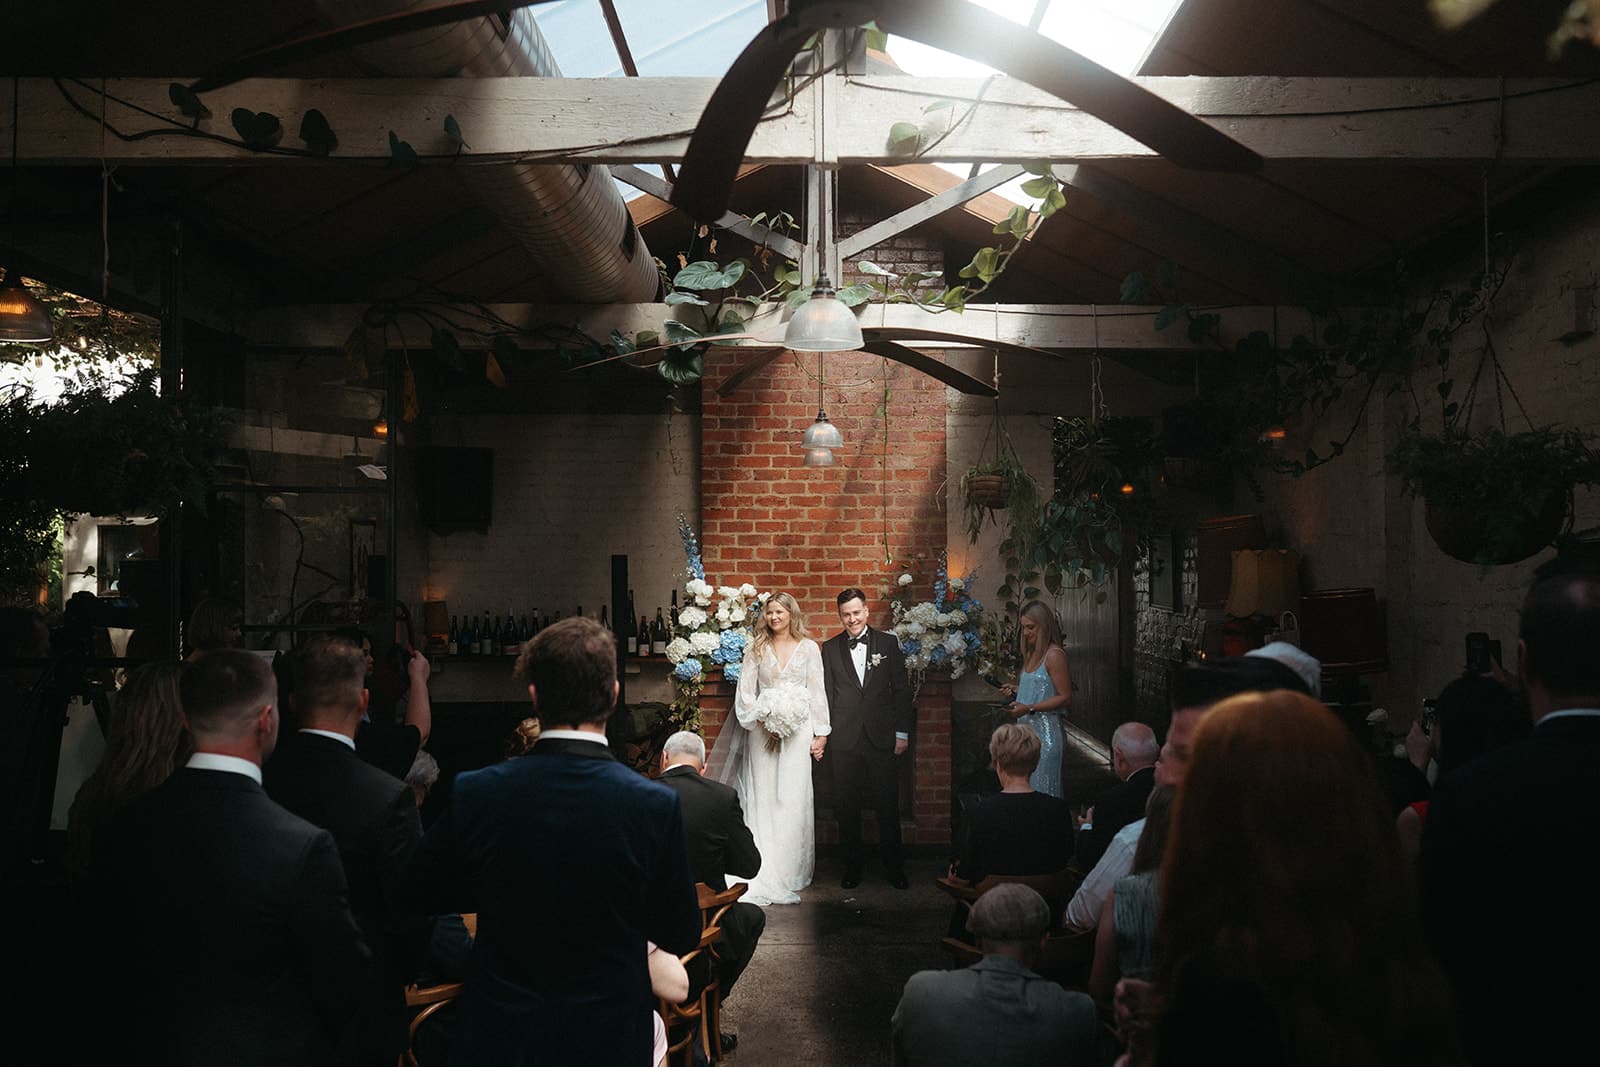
[691,548]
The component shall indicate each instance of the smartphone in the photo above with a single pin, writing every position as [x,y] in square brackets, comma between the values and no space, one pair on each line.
[1430,715]
[1478,653]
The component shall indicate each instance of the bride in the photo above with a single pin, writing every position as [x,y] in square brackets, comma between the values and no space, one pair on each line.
[781,718]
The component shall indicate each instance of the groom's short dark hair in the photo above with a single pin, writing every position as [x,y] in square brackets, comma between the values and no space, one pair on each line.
[851,594]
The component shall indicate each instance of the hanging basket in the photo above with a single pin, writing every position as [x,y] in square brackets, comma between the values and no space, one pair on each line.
[1493,535]
[989,490]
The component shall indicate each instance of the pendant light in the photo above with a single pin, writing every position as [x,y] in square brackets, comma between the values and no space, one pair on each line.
[23,319]
[819,457]
[822,436]
[823,324]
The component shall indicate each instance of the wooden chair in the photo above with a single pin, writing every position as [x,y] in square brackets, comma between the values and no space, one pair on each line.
[1068,953]
[431,1000]
[713,906]
[689,1018]
[1056,888]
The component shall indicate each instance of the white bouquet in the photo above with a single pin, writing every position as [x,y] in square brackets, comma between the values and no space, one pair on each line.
[783,711]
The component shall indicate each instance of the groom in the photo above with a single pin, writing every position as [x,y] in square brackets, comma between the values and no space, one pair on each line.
[869,706]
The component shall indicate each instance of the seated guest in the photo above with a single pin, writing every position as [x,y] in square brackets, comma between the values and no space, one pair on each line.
[236,943]
[720,844]
[1285,937]
[1133,758]
[316,774]
[572,862]
[147,743]
[669,981]
[1017,830]
[1125,940]
[1193,692]
[998,1010]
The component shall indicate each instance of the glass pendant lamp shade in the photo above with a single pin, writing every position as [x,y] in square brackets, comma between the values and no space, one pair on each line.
[819,457]
[823,324]
[822,434]
[23,319]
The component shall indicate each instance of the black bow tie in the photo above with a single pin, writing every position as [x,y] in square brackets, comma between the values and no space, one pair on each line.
[854,641]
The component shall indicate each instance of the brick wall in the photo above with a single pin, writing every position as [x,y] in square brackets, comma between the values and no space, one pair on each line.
[810,532]
[902,253]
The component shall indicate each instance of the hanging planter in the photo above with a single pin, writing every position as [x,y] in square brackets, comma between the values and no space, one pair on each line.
[1491,497]
[998,484]
[990,491]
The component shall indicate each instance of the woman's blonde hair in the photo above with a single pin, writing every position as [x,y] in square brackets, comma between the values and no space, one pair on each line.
[1049,626]
[797,623]
[1014,749]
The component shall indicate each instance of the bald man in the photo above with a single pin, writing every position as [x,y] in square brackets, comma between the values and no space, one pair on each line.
[1133,759]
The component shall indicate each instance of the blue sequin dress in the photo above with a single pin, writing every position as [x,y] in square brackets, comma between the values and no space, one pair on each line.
[1032,687]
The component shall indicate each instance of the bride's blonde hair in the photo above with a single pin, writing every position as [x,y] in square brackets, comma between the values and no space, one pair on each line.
[764,634]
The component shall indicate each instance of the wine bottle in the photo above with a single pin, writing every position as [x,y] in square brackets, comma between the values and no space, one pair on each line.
[644,638]
[453,642]
[603,620]
[658,636]
[486,638]
[631,634]
[468,643]
[513,638]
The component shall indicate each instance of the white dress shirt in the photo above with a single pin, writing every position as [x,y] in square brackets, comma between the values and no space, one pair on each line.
[341,738]
[1083,911]
[858,656]
[216,761]
[573,735]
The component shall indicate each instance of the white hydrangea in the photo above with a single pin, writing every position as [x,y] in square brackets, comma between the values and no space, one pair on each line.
[727,591]
[955,644]
[763,598]
[678,650]
[722,615]
[958,617]
[747,590]
[691,617]
[704,642]
[698,587]
[942,619]
[736,614]
[915,629]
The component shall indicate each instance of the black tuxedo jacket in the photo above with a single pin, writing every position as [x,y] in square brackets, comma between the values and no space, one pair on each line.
[719,842]
[572,861]
[875,709]
[1113,809]
[373,819]
[236,942]
[1518,935]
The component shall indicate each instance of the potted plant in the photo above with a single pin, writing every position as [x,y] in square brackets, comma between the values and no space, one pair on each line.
[1001,483]
[1493,497]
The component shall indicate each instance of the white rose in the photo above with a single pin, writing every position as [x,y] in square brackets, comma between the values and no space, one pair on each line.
[677,650]
[904,579]
[704,642]
[747,590]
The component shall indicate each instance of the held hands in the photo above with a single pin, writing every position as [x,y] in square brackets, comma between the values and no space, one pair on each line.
[900,746]
[818,746]
[1018,709]
[1008,690]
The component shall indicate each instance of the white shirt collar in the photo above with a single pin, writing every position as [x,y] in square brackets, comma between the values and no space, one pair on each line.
[335,736]
[216,761]
[573,735]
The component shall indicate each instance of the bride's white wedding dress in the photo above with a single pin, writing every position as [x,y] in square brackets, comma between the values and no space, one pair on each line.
[775,787]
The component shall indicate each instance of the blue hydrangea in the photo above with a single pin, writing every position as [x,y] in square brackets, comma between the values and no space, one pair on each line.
[688,669]
[910,646]
[733,642]
[731,671]
[938,655]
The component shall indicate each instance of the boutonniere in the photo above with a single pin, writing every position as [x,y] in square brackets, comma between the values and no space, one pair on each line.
[875,659]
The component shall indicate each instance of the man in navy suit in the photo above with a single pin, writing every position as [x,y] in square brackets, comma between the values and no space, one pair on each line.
[372,816]
[237,944]
[572,862]
[869,707]
[1510,871]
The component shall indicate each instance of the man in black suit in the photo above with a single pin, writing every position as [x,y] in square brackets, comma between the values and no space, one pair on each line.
[237,942]
[1133,758]
[869,707]
[572,862]
[720,844]
[1519,936]
[317,774]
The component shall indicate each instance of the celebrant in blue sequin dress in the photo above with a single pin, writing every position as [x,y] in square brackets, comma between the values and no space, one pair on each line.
[1043,692]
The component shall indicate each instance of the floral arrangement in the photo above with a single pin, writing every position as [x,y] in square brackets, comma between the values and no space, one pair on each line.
[942,632]
[783,711]
[713,627]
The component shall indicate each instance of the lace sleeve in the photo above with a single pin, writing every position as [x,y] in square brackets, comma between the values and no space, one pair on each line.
[744,700]
[817,690]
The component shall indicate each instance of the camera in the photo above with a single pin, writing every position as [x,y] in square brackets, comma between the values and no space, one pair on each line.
[1430,715]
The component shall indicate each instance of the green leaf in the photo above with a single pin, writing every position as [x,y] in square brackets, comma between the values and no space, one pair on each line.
[447,350]
[401,152]
[316,133]
[1054,201]
[877,39]
[1444,388]
[852,295]
[647,338]
[1135,289]
[954,297]
[796,298]
[732,273]
[676,297]
[866,266]
[1169,315]
[452,130]
[184,99]
[903,136]
[1015,223]
[1037,166]
[983,265]
[621,343]
[257,129]
[938,105]
[679,334]
[1039,187]
[682,368]
[1031,592]
[731,322]
[703,274]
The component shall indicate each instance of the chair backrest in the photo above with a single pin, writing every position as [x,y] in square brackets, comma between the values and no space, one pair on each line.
[1056,888]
